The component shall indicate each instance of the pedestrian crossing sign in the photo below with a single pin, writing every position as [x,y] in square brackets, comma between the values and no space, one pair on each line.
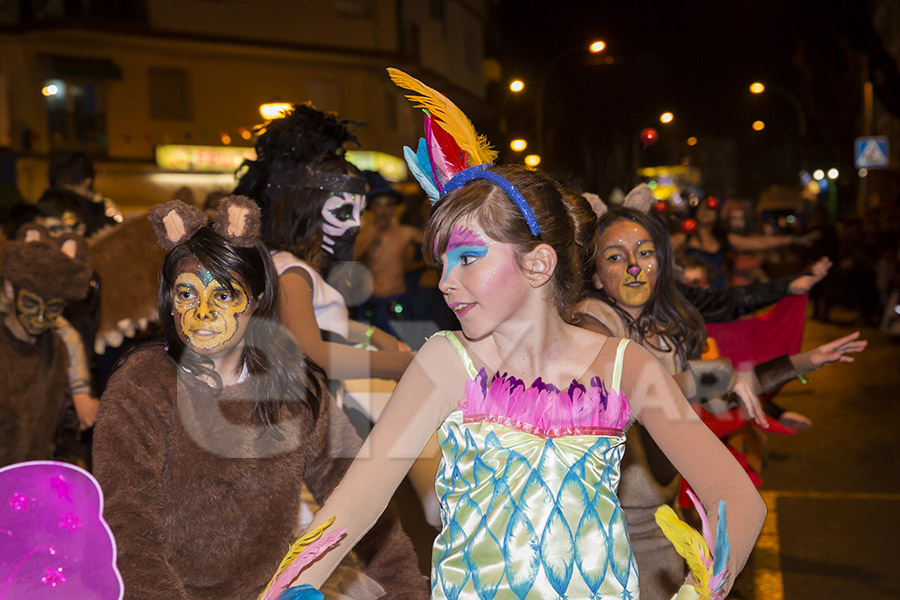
[872,152]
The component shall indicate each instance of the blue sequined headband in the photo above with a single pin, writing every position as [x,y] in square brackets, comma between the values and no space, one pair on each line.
[482,172]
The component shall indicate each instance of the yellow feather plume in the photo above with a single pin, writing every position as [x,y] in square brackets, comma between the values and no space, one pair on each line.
[294,551]
[452,120]
[689,543]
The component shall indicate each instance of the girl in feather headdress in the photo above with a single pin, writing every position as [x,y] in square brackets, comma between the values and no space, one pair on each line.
[204,437]
[531,410]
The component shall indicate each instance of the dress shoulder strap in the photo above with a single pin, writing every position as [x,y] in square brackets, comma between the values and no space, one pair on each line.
[617,366]
[461,351]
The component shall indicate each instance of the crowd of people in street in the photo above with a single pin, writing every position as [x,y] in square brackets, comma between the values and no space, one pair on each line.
[552,362]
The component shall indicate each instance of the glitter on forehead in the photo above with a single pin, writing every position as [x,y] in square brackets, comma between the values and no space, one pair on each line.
[205,276]
[463,236]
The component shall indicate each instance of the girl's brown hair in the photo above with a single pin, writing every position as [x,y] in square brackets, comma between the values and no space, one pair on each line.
[566,220]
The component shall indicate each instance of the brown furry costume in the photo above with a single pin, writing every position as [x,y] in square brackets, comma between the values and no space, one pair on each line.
[203,498]
[33,376]
[191,523]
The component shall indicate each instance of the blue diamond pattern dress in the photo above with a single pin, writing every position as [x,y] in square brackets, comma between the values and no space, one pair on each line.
[527,485]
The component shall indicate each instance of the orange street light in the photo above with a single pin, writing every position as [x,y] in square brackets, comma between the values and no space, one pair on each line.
[273,110]
[518,144]
[533,160]
[597,46]
[666,117]
[757,88]
[758,125]
[692,141]
[516,85]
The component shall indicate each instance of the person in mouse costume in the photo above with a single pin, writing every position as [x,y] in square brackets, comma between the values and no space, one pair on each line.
[204,436]
[40,274]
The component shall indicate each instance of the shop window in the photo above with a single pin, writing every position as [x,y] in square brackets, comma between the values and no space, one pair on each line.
[170,98]
[76,115]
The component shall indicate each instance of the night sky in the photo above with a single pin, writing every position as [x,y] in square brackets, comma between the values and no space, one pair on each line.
[695,59]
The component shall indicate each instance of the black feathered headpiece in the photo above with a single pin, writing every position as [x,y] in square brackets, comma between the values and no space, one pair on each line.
[288,149]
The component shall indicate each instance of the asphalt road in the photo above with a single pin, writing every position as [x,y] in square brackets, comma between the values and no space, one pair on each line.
[833,491]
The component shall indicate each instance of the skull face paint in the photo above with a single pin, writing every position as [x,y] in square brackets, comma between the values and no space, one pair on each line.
[341,219]
[35,314]
[627,266]
[209,318]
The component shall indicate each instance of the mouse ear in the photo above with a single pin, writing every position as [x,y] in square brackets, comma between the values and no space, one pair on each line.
[75,247]
[596,202]
[640,198]
[175,222]
[238,219]
[32,232]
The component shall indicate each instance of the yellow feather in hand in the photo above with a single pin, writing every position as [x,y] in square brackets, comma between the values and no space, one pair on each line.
[689,543]
[295,550]
[453,121]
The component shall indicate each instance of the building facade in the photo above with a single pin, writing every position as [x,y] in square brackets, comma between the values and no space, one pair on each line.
[118,79]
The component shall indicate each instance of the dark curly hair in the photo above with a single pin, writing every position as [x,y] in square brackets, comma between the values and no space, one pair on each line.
[286,148]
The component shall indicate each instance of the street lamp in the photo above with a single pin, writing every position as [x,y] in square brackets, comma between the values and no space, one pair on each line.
[518,145]
[666,117]
[595,47]
[516,85]
[758,126]
[758,88]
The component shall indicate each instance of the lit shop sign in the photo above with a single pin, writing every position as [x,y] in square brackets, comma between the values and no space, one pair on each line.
[202,159]
[391,167]
[226,159]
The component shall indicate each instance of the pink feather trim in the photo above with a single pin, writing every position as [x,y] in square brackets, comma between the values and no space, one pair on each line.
[541,409]
[309,554]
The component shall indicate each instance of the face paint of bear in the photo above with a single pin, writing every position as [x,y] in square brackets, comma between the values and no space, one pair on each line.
[209,318]
[36,314]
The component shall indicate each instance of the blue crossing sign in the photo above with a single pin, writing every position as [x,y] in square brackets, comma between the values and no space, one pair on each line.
[871,152]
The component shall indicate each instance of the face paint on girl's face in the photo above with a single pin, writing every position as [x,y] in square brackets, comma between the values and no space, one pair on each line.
[627,265]
[209,318]
[341,215]
[35,314]
[463,245]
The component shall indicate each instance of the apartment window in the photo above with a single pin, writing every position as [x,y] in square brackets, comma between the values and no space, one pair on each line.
[170,98]
[76,115]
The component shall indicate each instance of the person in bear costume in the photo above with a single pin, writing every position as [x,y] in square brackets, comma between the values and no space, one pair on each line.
[204,436]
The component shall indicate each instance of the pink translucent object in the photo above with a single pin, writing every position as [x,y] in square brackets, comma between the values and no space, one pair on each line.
[54,542]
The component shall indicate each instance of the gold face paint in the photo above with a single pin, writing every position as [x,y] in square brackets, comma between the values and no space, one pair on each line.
[635,286]
[35,315]
[208,316]
[627,266]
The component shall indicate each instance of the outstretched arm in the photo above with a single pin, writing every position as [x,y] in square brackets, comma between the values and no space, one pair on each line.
[775,373]
[419,404]
[697,454]
[295,309]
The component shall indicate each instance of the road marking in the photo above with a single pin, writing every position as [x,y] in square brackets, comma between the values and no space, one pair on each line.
[769,580]
[834,495]
[767,554]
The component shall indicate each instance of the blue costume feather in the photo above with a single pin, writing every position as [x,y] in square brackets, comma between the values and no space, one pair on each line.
[420,166]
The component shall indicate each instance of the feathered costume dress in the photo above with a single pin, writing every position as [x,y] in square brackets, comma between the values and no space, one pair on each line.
[529,474]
